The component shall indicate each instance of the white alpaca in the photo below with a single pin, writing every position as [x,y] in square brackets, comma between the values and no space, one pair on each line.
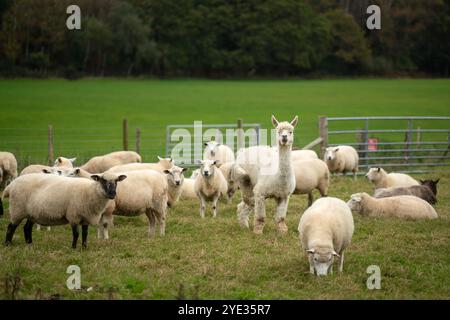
[264,172]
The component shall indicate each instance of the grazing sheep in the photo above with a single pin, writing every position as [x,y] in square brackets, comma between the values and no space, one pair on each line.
[101,164]
[342,159]
[8,172]
[326,229]
[381,179]
[210,185]
[50,200]
[311,174]
[421,191]
[188,191]
[266,173]
[64,162]
[303,155]
[407,207]
[143,192]
[175,179]
[161,165]
[217,151]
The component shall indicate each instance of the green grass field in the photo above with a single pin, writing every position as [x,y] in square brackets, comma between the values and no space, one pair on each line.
[214,258]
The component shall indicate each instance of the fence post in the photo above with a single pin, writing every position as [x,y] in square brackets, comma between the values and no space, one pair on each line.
[240,134]
[51,155]
[138,140]
[408,139]
[323,131]
[125,134]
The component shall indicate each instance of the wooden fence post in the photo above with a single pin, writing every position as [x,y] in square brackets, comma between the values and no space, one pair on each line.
[51,155]
[138,140]
[240,134]
[323,132]
[125,134]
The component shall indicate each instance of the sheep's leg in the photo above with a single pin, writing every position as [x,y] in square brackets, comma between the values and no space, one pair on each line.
[310,199]
[341,262]
[215,206]
[152,223]
[202,207]
[75,234]
[260,214]
[10,233]
[282,204]
[354,175]
[311,263]
[84,234]
[38,227]
[100,230]
[28,231]
[243,211]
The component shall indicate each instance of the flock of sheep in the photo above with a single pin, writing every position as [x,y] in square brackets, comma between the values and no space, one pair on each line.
[120,184]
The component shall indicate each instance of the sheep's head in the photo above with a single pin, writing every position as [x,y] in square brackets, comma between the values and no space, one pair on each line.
[331,153]
[355,202]
[108,183]
[375,174]
[208,167]
[432,184]
[175,175]
[57,171]
[285,131]
[211,148]
[64,162]
[322,259]
[166,163]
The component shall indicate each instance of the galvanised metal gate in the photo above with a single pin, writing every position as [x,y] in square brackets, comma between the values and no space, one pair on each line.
[406,144]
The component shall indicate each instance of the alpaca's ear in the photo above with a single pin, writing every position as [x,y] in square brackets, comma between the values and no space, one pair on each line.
[274,121]
[295,121]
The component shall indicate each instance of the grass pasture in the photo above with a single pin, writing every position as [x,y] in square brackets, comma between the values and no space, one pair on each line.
[214,258]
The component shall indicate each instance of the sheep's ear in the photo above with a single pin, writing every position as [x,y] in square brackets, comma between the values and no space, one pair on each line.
[166,171]
[436,182]
[184,169]
[46,171]
[77,171]
[170,159]
[59,172]
[205,144]
[72,159]
[310,250]
[121,177]
[217,163]
[294,121]
[59,160]
[378,169]
[95,177]
[274,121]
[199,162]
[421,181]
[336,254]
[336,150]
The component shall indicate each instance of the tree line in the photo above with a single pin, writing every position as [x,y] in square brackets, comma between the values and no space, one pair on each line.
[224,38]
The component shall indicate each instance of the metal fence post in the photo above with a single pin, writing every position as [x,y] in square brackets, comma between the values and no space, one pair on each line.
[240,135]
[51,155]
[323,131]
[125,134]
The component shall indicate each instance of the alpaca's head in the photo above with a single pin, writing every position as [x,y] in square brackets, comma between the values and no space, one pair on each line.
[285,131]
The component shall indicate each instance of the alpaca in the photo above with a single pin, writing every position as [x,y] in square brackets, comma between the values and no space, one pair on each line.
[264,172]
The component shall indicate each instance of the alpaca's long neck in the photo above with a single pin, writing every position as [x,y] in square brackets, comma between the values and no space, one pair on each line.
[284,160]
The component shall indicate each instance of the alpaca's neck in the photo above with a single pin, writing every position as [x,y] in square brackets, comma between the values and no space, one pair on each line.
[284,159]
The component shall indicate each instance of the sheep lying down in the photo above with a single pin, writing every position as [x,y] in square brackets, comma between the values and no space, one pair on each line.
[52,200]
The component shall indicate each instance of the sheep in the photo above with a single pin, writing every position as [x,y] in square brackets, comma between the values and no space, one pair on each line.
[232,186]
[49,199]
[421,191]
[311,174]
[432,184]
[64,162]
[210,185]
[161,165]
[266,173]
[143,192]
[188,191]
[326,229]
[101,164]
[407,207]
[175,179]
[381,179]
[342,159]
[218,151]
[8,172]
[194,174]
[303,155]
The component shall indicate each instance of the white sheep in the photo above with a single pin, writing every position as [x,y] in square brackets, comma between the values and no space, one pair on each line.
[303,155]
[342,159]
[175,179]
[64,162]
[226,169]
[267,173]
[311,174]
[381,179]
[326,229]
[8,172]
[161,165]
[51,200]
[218,151]
[143,192]
[188,191]
[210,185]
[101,164]
[407,207]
